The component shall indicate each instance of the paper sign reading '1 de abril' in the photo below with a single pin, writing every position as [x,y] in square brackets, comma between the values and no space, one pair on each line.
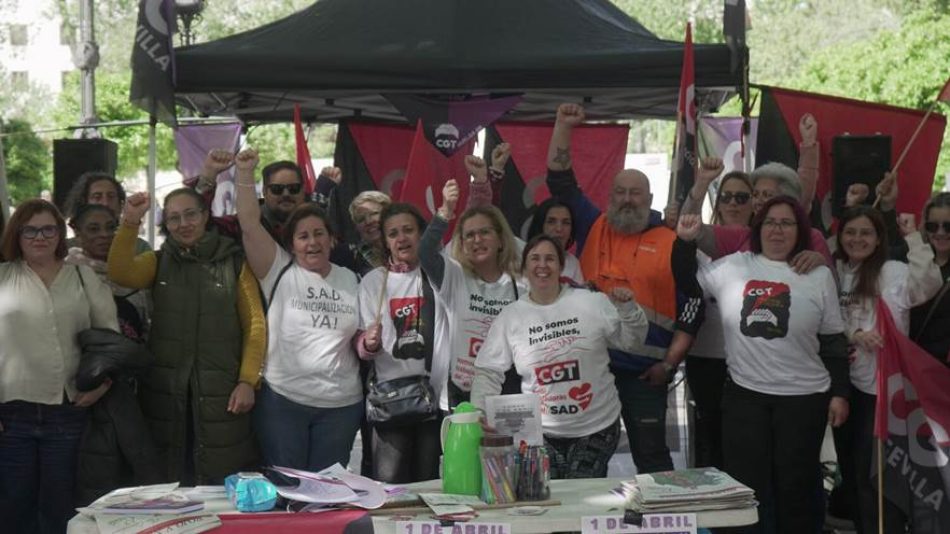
[652,524]
[434,527]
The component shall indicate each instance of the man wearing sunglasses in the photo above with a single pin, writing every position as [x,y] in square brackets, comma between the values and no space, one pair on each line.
[282,187]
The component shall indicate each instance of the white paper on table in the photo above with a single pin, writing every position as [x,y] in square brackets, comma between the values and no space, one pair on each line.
[516,415]
[318,491]
[134,493]
[132,524]
[371,494]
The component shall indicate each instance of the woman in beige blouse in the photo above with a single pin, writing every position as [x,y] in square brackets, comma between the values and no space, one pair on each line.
[44,304]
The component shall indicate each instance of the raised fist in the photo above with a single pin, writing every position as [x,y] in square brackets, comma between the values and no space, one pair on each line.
[620,294]
[477,168]
[333,173]
[246,160]
[216,162]
[500,155]
[709,169]
[808,127]
[570,114]
[856,195]
[135,207]
[450,198]
[688,227]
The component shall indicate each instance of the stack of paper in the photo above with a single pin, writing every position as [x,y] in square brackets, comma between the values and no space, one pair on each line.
[332,486]
[687,490]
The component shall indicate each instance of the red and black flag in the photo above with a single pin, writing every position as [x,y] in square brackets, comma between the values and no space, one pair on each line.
[913,419]
[779,137]
[303,155]
[153,61]
[427,171]
[597,154]
[684,158]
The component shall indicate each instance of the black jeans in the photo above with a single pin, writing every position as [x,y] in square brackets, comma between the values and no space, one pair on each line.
[772,444]
[644,416]
[407,454]
[706,378]
[858,433]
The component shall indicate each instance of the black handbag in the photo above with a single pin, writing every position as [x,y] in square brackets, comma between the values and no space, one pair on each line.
[401,401]
[406,400]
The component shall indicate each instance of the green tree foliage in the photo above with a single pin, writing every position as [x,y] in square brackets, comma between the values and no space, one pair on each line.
[904,67]
[112,104]
[27,160]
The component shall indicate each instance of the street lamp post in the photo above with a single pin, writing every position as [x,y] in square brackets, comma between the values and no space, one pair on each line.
[188,11]
[86,58]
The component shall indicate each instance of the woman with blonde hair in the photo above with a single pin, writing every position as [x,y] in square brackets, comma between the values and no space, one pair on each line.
[475,281]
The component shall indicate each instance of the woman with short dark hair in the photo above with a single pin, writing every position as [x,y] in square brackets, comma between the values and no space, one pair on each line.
[44,304]
[786,355]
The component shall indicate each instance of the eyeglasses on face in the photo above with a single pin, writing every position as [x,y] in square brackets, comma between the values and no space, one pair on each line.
[48,231]
[188,216]
[107,228]
[740,198]
[478,232]
[279,189]
[783,224]
[933,226]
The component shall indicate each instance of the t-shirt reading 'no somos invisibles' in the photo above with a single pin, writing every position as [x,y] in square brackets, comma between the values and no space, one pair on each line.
[310,324]
[560,351]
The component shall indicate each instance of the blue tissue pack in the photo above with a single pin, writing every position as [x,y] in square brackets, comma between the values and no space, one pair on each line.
[250,492]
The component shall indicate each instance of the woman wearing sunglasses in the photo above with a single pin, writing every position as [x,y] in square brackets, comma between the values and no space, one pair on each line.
[928,322]
[44,304]
[207,339]
[706,364]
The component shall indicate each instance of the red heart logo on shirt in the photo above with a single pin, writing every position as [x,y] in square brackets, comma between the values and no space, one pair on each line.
[582,395]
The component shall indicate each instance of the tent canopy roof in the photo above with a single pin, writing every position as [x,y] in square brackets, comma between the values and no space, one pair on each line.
[338,58]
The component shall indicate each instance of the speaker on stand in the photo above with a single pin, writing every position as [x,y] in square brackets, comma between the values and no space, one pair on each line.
[858,159]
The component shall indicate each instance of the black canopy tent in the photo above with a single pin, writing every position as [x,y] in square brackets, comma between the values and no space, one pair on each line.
[338,58]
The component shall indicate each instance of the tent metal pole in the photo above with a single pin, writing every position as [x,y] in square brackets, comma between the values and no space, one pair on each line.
[4,190]
[152,165]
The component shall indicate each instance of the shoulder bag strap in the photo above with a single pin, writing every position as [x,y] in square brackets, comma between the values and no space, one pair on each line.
[273,289]
[933,308]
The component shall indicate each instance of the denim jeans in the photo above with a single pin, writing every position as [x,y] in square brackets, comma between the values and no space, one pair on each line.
[643,408]
[304,437]
[772,444]
[39,448]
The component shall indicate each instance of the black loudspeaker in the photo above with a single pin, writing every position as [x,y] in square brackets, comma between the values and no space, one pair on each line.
[72,157]
[858,159]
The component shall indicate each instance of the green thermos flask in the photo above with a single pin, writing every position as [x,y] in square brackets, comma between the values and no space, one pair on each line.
[461,437]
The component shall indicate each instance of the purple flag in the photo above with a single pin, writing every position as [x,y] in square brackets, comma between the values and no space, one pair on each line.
[194,142]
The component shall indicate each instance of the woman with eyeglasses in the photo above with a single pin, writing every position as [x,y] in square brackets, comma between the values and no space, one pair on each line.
[866,275]
[476,280]
[928,322]
[44,304]
[311,399]
[786,355]
[95,227]
[405,334]
[206,338]
[557,337]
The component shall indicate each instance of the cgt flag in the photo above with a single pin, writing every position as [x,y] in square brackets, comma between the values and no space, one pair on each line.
[684,159]
[428,170]
[913,417]
[153,61]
